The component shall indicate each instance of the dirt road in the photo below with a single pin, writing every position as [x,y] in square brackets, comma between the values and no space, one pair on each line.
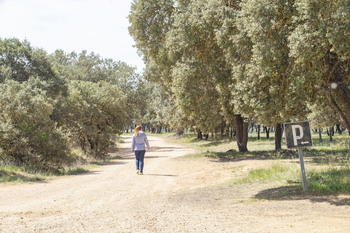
[175,194]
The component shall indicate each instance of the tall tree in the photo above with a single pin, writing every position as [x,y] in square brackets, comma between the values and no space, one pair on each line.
[20,61]
[182,53]
[319,45]
[264,88]
[195,30]
[150,20]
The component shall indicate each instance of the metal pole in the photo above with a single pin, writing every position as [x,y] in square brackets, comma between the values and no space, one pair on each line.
[300,152]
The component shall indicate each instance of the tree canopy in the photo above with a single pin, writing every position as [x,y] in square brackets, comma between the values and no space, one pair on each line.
[267,61]
[52,104]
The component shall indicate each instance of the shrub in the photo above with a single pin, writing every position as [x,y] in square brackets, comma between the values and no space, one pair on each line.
[27,134]
[92,114]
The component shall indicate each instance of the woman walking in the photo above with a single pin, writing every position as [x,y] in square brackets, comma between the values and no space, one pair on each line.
[139,139]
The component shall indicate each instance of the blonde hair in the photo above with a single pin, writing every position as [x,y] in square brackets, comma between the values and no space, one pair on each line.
[137,129]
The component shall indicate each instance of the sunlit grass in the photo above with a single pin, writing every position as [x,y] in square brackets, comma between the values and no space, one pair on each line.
[327,163]
[329,181]
[15,174]
[278,172]
[324,152]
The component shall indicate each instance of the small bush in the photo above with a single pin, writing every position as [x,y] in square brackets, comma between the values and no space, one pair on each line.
[92,114]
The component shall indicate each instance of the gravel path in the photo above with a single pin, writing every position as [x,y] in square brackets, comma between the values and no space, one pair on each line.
[175,194]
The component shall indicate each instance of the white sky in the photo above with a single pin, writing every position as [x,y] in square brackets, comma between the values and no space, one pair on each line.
[99,26]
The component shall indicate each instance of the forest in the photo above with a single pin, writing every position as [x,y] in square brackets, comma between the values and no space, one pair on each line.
[214,67]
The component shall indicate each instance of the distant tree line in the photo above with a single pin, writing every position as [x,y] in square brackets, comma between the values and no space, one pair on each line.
[219,64]
[51,104]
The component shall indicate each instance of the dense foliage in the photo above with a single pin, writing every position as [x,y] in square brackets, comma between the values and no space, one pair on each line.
[51,104]
[224,63]
[214,66]
[27,133]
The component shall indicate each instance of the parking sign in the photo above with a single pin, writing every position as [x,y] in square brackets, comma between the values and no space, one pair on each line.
[298,134]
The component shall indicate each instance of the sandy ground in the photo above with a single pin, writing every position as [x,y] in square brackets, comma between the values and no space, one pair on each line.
[174,195]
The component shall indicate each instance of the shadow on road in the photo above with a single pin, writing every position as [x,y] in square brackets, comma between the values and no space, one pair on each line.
[290,193]
[160,175]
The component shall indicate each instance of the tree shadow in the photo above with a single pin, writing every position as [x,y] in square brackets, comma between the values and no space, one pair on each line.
[162,149]
[155,156]
[168,175]
[212,143]
[295,192]
[233,155]
[262,139]
[318,156]
[339,139]
[126,152]
[322,185]
[339,156]
[123,153]
[109,162]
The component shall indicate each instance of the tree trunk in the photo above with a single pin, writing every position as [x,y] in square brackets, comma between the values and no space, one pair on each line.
[339,129]
[331,133]
[223,127]
[319,135]
[258,132]
[199,134]
[267,130]
[241,133]
[278,137]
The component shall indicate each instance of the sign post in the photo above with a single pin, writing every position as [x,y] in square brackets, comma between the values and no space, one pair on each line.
[301,158]
[298,135]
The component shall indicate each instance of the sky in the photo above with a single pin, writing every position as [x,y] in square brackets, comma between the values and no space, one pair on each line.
[99,26]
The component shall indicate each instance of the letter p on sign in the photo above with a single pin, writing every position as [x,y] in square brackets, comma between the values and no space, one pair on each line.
[295,136]
[298,134]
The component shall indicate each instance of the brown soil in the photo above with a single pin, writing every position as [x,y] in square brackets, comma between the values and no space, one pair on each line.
[175,194]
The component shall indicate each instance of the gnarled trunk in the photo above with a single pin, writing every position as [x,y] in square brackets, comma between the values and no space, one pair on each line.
[241,133]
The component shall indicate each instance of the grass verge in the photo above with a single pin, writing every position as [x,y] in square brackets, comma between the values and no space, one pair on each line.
[327,164]
[329,181]
[278,172]
[82,164]
[18,175]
